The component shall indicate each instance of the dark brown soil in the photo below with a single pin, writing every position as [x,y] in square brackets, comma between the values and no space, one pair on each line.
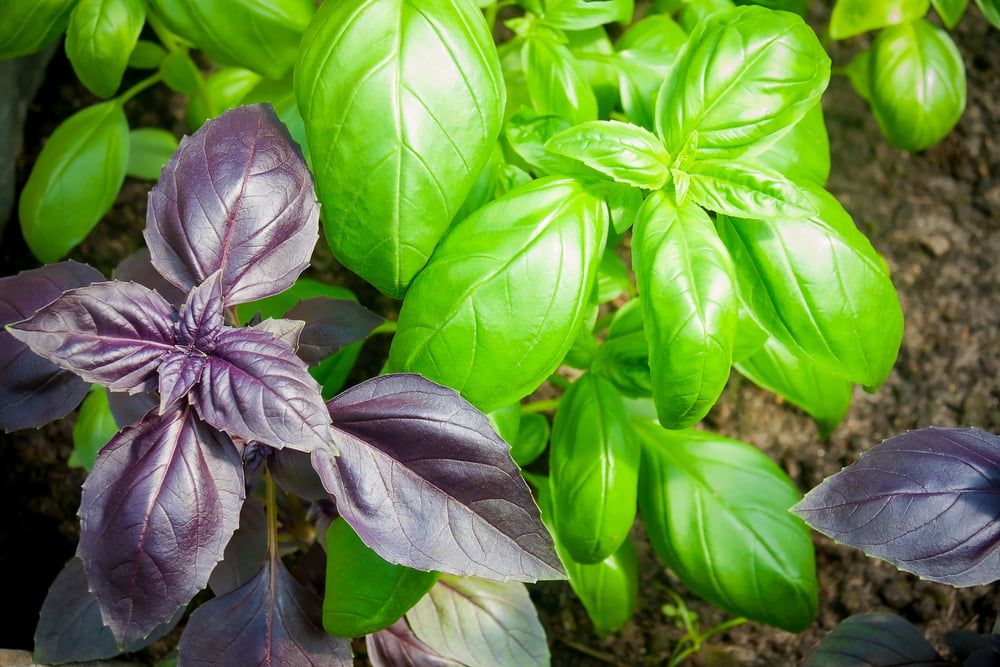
[935,216]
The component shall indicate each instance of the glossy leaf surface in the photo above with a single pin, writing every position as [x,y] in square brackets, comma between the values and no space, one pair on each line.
[221,91]
[583,14]
[426,483]
[876,640]
[623,358]
[853,17]
[498,307]
[75,180]
[483,623]
[746,190]
[594,470]
[991,10]
[625,152]
[950,11]
[237,196]
[25,27]
[686,280]
[35,391]
[94,427]
[331,325]
[747,73]
[365,594]
[925,500]
[532,438]
[425,72]
[99,39]
[556,84]
[716,510]
[802,152]
[646,51]
[168,492]
[150,148]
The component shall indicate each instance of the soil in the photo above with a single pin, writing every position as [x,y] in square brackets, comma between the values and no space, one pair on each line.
[934,215]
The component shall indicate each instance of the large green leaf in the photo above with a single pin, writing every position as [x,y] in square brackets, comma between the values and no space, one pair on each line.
[803,152]
[74,180]
[595,55]
[917,84]
[745,189]
[583,14]
[746,73]
[817,285]
[623,358]
[796,378]
[402,103]
[28,25]
[991,10]
[627,153]
[99,40]
[149,149]
[646,51]
[685,278]
[716,512]
[594,470]
[221,91]
[950,11]
[556,83]
[499,304]
[262,35]
[364,593]
[853,17]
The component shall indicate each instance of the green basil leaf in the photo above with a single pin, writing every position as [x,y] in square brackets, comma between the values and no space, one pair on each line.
[950,11]
[796,378]
[623,203]
[917,84]
[332,372]
[221,91]
[858,71]
[696,12]
[746,190]
[627,153]
[750,338]
[802,152]
[262,35]
[427,75]
[94,427]
[281,95]
[556,84]
[583,14]
[797,6]
[646,51]
[100,36]
[686,281]
[991,10]
[594,470]
[612,276]
[581,352]
[624,357]
[149,149]
[527,132]
[364,593]
[746,73]
[146,55]
[818,287]
[75,180]
[716,512]
[853,17]
[596,57]
[499,305]
[506,421]
[27,26]
[609,590]
[532,439]
[484,189]
[180,73]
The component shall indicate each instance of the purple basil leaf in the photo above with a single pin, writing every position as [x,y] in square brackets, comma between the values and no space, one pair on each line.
[244,553]
[138,268]
[270,620]
[70,628]
[127,409]
[927,501]
[331,324]
[179,371]
[35,391]
[236,196]
[254,387]
[293,471]
[200,318]
[426,482]
[158,509]
[875,640]
[397,646]
[287,331]
[111,333]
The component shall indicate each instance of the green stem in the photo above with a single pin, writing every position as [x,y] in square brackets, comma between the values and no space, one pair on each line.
[162,32]
[540,406]
[272,515]
[139,87]
[387,327]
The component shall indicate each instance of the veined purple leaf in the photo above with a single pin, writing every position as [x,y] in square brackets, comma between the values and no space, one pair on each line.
[35,391]
[927,501]
[127,409]
[287,331]
[482,623]
[111,333]
[331,324]
[254,387]
[397,646]
[200,318]
[875,640]
[294,473]
[70,628]
[426,482]
[272,620]
[236,196]
[158,509]
[245,552]
[178,372]
[137,268]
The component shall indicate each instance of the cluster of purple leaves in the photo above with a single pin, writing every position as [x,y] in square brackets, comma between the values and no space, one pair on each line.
[417,471]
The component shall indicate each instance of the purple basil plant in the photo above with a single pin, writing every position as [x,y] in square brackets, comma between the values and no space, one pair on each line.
[416,471]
